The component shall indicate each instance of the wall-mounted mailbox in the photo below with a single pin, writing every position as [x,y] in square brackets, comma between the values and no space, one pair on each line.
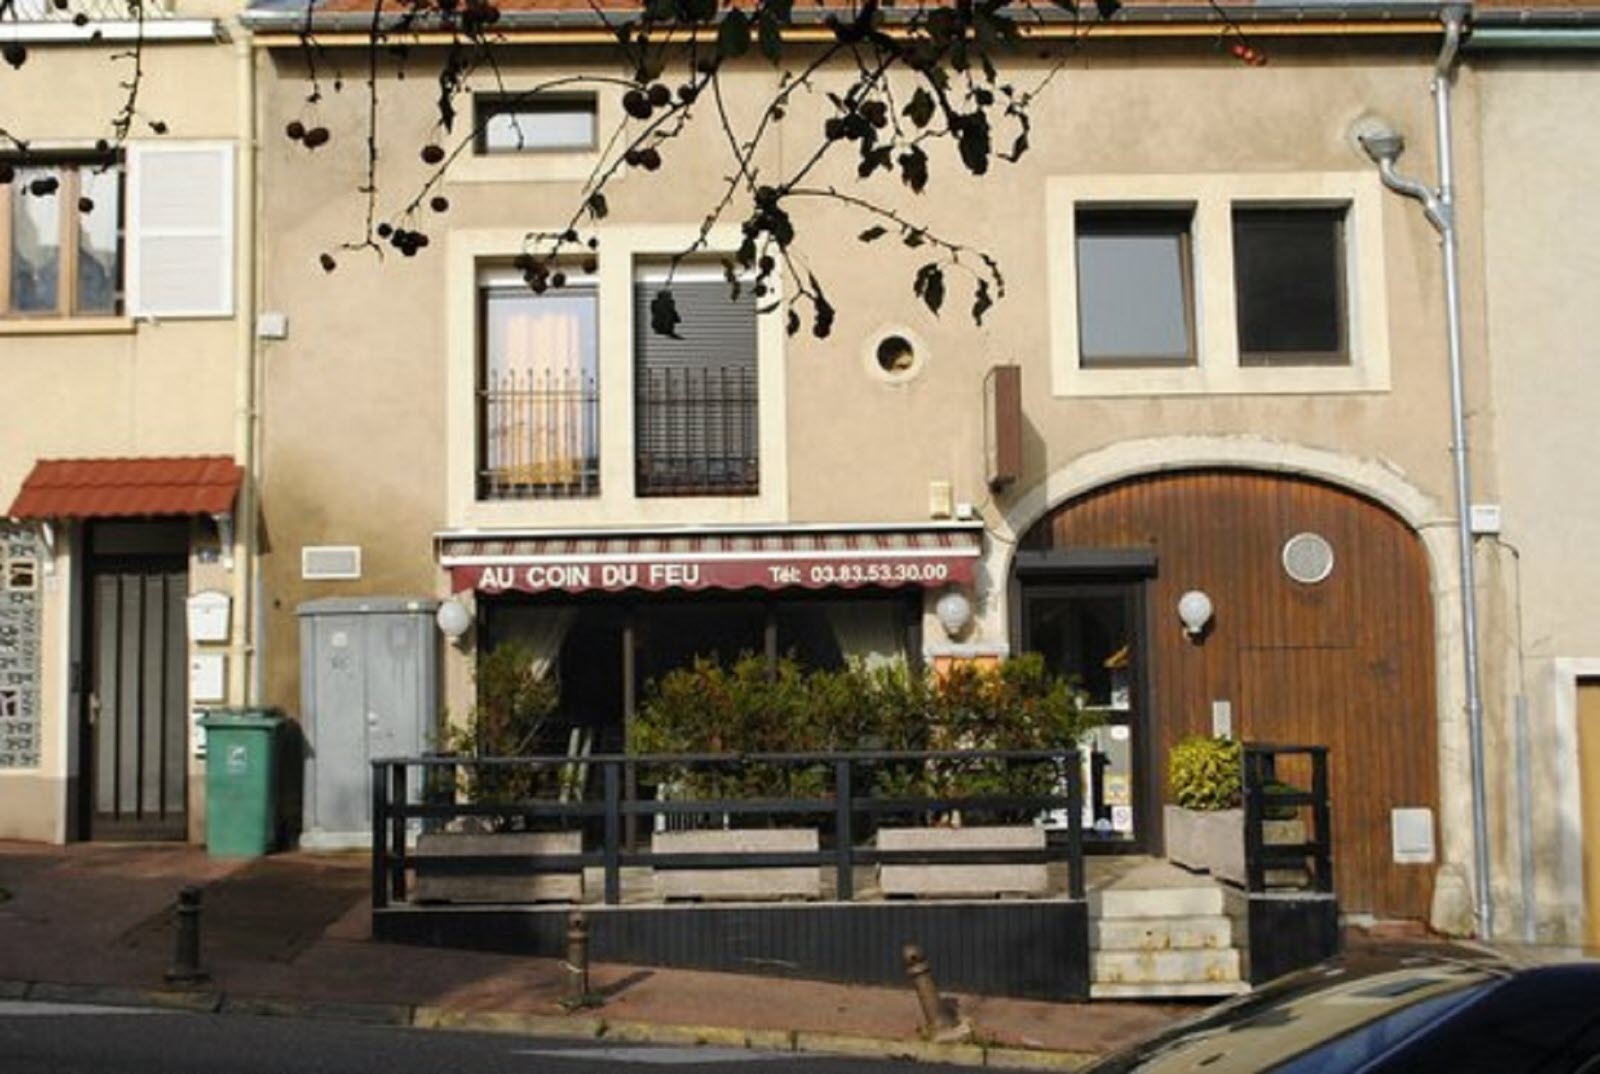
[208,616]
[208,677]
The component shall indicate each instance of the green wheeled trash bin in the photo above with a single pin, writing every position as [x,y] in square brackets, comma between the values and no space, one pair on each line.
[241,781]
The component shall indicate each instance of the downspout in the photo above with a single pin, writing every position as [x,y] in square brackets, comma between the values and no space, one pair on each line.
[1439,207]
[244,260]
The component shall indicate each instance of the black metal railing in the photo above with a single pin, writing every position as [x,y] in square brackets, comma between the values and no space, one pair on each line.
[847,794]
[1266,798]
[696,432]
[539,435]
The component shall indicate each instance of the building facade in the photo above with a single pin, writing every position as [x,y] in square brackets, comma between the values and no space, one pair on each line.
[1219,368]
[121,330]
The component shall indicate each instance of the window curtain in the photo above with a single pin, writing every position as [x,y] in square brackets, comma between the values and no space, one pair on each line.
[540,368]
[869,631]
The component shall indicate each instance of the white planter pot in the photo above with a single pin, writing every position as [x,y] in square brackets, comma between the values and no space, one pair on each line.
[1213,841]
[740,884]
[962,881]
[433,886]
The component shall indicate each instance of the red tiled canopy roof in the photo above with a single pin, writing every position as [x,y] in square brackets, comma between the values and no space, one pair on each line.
[113,488]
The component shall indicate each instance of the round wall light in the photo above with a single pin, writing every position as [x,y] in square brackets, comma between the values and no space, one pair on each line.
[954,611]
[1194,611]
[453,618]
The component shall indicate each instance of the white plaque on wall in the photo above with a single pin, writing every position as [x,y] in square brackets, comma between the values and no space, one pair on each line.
[208,677]
[1413,836]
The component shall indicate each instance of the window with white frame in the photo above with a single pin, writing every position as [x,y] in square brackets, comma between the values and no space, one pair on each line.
[534,123]
[696,403]
[1135,287]
[61,238]
[1288,273]
[538,389]
[1217,283]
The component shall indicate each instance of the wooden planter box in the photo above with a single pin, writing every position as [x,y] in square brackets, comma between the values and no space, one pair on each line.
[739,884]
[962,881]
[1213,841]
[434,886]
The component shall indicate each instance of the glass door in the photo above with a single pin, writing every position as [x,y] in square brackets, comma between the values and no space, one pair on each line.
[1089,633]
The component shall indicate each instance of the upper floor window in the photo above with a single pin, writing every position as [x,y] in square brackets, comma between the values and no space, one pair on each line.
[61,240]
[535,123]
[539,391]
[695,398]
[1135,290]
[1242,284]
[1288,269]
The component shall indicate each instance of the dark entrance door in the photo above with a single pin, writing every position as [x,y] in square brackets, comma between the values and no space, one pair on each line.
[1090,632]
[136,739]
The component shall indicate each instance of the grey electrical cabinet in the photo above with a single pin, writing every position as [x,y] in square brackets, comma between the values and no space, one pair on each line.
[369,688]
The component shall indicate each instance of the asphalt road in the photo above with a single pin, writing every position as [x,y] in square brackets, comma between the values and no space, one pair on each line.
[59,1038]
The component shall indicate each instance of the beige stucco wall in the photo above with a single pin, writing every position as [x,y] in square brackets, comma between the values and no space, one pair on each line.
[114,388]
[1543,252]
[357,401]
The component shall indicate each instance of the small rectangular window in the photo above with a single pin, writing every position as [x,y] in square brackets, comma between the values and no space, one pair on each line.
[61,239]
[527,123]
[1288,269]
[1135,287]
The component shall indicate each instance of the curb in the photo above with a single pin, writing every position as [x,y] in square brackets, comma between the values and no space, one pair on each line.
[559,1027]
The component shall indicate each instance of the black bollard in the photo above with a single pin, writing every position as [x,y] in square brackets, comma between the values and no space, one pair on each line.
[577,964]
[186,958]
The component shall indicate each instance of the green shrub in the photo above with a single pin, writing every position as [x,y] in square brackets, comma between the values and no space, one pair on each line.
[751,707]
[515,700]
[1205,773]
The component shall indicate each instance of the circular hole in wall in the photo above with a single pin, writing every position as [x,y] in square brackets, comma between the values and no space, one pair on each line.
[896,355]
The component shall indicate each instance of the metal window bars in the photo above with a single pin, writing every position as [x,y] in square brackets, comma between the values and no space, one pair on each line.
[539,433]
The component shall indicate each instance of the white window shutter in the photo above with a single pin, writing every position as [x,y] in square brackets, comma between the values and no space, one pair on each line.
[180,229]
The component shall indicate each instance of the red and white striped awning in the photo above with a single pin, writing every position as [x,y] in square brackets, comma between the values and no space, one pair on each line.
[847,557]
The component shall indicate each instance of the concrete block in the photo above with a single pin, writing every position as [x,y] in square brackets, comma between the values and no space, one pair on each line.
[1167,991]
[763,883]
[433,886]
[1203,900]
[1161,934]
[962,881]
[1164,967]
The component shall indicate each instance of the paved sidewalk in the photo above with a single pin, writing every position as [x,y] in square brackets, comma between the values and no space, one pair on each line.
[290,934]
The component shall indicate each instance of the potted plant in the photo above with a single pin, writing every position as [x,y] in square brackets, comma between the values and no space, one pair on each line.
[1015,705]
[744,707]
[515,701]
[1205,828]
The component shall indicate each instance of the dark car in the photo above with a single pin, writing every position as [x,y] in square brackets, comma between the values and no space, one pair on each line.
[1422,1011]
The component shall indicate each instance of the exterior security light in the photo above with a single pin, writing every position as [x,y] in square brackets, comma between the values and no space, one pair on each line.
[453,618]
[1194,610]
[954,611]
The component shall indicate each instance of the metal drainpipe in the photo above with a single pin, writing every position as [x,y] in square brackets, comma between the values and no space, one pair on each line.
[245,593]
[1439,207]
[1443,72]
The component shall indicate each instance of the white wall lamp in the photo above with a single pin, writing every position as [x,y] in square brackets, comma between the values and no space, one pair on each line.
[454,619]
[1195,611]
[954,612]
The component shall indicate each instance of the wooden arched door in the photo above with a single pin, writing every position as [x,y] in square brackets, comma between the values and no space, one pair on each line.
[1346,662]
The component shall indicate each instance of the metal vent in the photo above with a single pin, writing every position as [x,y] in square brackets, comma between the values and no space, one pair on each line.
[1307,558]
[330,561]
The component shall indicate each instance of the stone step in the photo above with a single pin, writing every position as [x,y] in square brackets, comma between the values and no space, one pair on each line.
[1203,900]
[1167,991]
[1165,967]
[1160,933]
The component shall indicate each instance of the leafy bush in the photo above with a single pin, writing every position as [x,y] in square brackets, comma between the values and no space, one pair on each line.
[749,707]
[514,702]
[1205,773]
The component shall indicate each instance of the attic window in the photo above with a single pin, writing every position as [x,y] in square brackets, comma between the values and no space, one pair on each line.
[528,123]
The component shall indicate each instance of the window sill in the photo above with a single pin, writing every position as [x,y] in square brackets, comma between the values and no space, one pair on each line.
[1226,380]
[66,326]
